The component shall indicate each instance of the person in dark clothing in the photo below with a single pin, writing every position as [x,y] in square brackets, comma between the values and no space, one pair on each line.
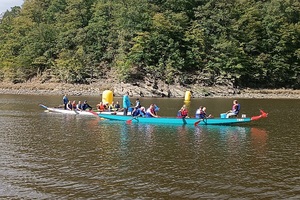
[86,106]
[65,101]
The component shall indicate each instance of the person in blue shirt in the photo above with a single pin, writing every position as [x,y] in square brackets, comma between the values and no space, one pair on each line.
[126,103]
[65,101]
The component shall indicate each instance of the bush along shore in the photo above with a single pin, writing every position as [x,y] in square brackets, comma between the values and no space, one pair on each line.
[143,90]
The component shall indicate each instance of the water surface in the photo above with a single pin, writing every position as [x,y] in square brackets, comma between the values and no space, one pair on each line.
[54,156]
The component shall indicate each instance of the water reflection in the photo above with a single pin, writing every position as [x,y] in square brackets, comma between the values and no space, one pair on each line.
[259,139]
[230,138]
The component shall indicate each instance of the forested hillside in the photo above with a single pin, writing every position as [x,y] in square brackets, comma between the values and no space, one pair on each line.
[252,43]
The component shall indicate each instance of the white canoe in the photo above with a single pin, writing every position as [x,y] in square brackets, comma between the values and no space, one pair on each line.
[77,112]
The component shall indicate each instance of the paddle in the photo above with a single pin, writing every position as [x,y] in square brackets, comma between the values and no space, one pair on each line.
[43,106]
[94,113]
[130,120]
[197,122]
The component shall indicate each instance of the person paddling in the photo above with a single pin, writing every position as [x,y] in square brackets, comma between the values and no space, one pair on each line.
[234,110]
[151,111]
[183,112]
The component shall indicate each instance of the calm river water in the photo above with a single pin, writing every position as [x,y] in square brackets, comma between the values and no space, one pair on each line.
[54,156]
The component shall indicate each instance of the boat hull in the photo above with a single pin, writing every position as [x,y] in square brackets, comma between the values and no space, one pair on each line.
[77,112]
[69,112]
[176,121]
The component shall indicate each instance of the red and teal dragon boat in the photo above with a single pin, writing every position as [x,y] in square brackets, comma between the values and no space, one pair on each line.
[182,121]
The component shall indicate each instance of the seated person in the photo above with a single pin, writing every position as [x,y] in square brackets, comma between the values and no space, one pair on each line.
[79,106]
[74,105]
[183,112]
[86,106]
[143,111]
[69,105]
[117,106]
[234,110]
[200,113]
[138,112]
[150,112]
[100,107]
[138,103]
[205,115]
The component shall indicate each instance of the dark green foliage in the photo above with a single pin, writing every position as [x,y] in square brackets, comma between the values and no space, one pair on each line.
[253,43]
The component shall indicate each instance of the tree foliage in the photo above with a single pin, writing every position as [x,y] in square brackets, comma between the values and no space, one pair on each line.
[248,41]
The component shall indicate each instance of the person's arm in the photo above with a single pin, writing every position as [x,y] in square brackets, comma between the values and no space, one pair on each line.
[153,114]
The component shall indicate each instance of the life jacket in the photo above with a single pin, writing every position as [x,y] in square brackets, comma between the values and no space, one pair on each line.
[184,112]
[202,114]
[237,108]
[101,107]
[138,104]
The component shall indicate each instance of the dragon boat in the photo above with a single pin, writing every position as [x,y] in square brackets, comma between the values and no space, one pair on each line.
[182,121]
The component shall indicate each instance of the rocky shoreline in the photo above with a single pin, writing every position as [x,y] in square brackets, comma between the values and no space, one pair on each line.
[138,90]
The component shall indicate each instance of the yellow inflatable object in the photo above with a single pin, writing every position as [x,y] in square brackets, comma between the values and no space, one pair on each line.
[187,96]
[107,97]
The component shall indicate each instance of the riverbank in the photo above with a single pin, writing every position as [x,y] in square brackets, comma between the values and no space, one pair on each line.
[140,90]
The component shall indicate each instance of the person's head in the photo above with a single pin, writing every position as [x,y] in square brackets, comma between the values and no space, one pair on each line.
[235,101]
[201,107]
[142,108]
[204,108]
[79,102]
[85,101]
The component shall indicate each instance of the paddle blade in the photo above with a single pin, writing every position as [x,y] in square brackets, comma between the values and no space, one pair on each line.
[94,113]
[129,121]
[197,122]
